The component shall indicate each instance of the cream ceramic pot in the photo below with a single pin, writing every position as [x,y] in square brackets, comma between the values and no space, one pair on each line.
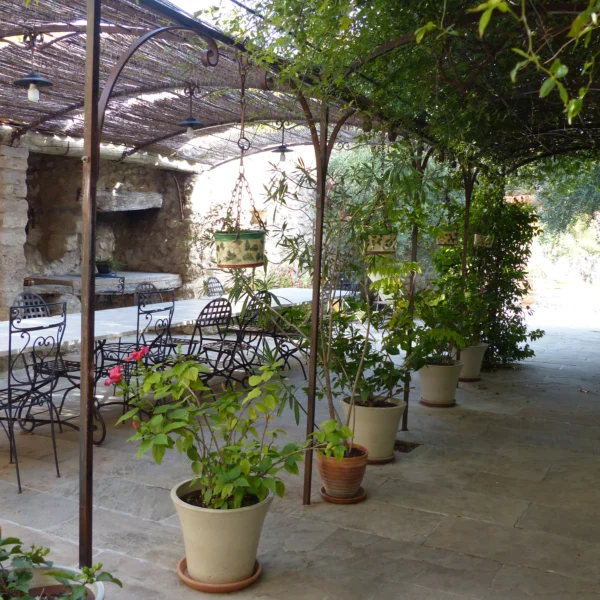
[220,545]
[438,384]
[375,428]
[471,359]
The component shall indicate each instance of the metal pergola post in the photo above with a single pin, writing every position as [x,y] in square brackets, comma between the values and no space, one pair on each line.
[91,162]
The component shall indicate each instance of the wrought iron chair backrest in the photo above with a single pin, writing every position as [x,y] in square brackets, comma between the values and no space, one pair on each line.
[154,325]
[30,306]
[106,293]
[34,349]
[147,293]
[215,287]
[254,309]
[213,321]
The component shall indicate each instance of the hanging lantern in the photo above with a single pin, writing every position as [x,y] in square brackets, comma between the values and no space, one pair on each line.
[483,241]
[447,238]
[190,124]
[282,149]
[33,82]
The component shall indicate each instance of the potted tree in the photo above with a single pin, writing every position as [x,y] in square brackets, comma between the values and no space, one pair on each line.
[29,574]
[342,463]
[367,380]
[234,463]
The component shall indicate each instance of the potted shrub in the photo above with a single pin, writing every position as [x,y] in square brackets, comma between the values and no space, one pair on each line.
[342,464]
[28,574]
[234,463]
[367,380]
[433,355]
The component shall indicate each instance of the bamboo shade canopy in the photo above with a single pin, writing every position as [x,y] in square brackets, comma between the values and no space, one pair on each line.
[148,101]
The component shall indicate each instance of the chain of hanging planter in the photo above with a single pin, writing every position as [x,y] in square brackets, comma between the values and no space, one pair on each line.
[449,237]
[383,240]
[239,248]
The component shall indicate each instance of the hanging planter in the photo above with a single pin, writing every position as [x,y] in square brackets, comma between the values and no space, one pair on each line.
[483,241]
[240,249]
[381,242]
[447,238]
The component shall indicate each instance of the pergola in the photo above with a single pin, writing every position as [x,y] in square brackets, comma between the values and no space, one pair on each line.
[115,45]
[148,100]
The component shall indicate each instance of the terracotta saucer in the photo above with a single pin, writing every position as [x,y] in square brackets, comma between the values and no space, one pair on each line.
[434,405]
[216,588]
[381,461]
[358,497]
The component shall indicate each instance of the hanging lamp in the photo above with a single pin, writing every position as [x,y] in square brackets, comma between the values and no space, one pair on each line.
[282,149]
[191,123]
[33,82]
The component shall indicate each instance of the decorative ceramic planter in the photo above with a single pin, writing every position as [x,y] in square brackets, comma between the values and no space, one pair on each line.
[471,359]
[438,384]
[483,241]
[44,583]
[342,478]
[382,243]
[448,238]
[241,250]
[375,428]
[220,545]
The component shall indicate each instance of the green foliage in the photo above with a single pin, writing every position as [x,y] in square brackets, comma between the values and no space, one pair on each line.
[501,270]
[17,567]
[331,439]
[232,450]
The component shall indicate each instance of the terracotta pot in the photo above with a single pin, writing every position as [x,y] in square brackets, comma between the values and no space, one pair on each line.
[375,428]
[382,243]
[448,238]
[438,384]
[240,250]
[220,545]
[471,359]
[44,583]
[342,478]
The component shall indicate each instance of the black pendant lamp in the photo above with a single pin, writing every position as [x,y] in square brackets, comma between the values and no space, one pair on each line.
[33,82]
[191,123]
[282,149]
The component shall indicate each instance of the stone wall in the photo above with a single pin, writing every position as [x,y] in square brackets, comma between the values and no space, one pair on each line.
[13,216]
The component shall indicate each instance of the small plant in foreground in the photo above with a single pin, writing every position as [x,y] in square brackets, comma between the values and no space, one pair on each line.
[17,572]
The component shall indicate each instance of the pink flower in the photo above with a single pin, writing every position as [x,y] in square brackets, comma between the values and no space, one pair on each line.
[138,355]
[135,425]
[114,376]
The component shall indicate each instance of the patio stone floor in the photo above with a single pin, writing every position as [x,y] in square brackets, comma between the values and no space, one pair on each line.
[500,502]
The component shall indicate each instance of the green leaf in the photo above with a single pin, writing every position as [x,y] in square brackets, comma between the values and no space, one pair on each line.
[547,87]
[484,21]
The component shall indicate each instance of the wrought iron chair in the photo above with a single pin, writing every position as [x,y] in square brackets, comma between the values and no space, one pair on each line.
[147,293]
[28,395]
[31,306]
[153,330]
[215,287]
[210,345]
[107,294]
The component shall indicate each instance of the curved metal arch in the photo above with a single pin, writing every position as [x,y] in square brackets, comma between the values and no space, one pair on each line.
[210,58]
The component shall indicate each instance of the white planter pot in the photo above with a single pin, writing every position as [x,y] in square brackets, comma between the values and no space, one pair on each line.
[438,384]
[471,359]
[40,580]
[220,545]
[375,428]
